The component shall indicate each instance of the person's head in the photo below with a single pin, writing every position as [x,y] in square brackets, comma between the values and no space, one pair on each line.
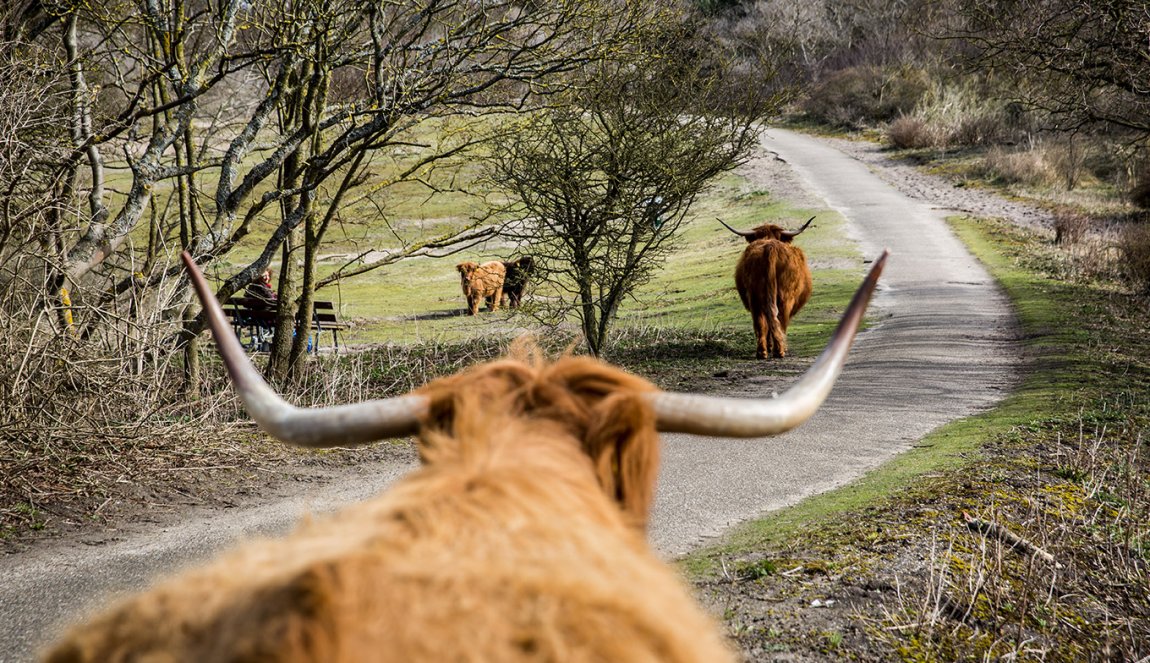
[266,277]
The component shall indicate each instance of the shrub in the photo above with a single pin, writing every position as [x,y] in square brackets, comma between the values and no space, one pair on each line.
[910,132]
[1140,192]
[1134,244]
[865,95]
[1070,226]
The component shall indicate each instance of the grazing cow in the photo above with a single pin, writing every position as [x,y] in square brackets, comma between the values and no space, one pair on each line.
[518,273]
[774,282]
[480,282]
[521,537]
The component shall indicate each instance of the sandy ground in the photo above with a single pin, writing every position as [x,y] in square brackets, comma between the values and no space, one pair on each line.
[941,349]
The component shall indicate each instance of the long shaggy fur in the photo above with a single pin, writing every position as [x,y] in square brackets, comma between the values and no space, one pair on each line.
[518,273]
[774,282]
[481,281]
[520,539]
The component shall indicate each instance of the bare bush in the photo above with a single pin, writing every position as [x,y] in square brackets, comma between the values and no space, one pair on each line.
[987,128]
[1134,244]
[1066,159]
[910,132]
[1070,226]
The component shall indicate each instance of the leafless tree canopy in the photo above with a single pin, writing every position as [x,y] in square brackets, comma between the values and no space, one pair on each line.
[1082,62]
[242,132]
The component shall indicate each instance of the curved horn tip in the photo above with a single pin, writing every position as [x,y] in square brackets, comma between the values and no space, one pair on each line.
[746,234]
[342,425]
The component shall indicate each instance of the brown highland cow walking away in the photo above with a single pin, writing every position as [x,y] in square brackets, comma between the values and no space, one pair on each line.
[774,282]
[522,537]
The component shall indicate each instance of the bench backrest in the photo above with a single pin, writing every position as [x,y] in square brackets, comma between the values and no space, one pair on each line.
[252,310]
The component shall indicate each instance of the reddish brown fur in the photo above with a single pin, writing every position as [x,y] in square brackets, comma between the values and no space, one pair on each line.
[520,539]
[480,281]
[774,282]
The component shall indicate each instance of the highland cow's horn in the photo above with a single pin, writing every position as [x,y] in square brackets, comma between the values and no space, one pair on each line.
[740,233]
[343,425]
[791,235]
[740,417]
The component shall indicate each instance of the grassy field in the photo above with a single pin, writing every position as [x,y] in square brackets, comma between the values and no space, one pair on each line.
[419,300]
[682,328]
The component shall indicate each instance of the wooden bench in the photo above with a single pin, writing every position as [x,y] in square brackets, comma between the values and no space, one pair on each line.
[256,319]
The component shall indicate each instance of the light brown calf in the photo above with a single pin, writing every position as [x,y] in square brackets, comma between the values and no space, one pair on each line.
[480,282]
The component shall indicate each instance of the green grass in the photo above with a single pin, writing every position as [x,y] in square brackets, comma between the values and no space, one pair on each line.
[419,299]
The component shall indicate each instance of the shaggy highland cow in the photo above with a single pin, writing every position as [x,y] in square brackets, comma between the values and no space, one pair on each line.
[518,273]
[774,282]
[520,539]
[481,282]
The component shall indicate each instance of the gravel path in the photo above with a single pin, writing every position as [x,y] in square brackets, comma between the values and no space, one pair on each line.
[941,350]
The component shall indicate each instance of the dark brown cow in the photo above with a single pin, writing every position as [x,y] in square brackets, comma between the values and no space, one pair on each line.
[520,539]
[518,273]
[774,282]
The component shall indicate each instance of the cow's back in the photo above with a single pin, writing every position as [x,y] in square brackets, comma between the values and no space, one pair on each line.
[785,262]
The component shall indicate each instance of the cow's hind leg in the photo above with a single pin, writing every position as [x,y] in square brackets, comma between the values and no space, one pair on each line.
[762,335]
[776,330]
[496,299]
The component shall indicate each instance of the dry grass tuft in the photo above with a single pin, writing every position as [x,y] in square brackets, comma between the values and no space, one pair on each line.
[910,132]
[1070,226]
[1134,244]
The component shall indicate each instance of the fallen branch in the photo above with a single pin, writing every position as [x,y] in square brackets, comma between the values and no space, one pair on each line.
[1012,540]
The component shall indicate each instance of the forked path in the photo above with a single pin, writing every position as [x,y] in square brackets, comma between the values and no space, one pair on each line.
[941,350]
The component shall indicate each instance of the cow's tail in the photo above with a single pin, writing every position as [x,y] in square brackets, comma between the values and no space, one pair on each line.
[775,338]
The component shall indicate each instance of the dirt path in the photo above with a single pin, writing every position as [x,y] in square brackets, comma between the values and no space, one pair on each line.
[940,351]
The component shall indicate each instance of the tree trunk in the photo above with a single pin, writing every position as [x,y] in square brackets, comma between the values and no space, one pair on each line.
[278,357]
[191,385]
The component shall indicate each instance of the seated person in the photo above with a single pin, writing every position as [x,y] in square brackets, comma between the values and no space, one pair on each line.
[262,298]
[261,290]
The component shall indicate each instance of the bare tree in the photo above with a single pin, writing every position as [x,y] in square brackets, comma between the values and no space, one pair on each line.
[1083,62]
[192,123]
[601,186]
